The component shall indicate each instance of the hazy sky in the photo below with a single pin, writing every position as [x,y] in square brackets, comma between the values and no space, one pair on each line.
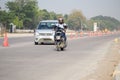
[89,8]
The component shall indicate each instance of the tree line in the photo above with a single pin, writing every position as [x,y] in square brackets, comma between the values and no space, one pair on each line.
[25,14]
[109,23]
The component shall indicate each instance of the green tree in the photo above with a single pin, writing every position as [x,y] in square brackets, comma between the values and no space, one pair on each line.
[53,15]
[25,10]
[6,18]
[66,17]
[17,22]
[31,13]
[45,14]
[76,20]
[106,22]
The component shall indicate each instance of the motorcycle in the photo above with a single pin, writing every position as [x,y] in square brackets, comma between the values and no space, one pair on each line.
[60,39]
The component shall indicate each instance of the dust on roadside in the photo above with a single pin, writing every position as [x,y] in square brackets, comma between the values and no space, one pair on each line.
[107,66]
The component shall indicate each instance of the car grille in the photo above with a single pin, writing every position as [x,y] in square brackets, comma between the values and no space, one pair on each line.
[45,34]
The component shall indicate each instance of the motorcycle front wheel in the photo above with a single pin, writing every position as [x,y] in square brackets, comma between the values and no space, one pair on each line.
[62,49]
[58,46]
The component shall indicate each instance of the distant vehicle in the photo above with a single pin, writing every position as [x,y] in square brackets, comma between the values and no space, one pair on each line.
[44,32]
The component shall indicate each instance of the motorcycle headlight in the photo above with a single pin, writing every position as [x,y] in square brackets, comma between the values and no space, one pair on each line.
[36,33]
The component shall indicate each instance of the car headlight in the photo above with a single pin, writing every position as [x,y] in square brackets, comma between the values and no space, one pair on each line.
[36,34]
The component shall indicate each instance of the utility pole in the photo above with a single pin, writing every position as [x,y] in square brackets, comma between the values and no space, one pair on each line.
[80,23]
[1,26]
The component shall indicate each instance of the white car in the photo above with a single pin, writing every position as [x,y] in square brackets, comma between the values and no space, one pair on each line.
[44,32]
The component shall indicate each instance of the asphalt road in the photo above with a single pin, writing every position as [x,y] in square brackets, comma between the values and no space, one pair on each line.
[23,60]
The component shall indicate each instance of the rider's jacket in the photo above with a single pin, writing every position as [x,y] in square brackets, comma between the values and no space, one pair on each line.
[61,25]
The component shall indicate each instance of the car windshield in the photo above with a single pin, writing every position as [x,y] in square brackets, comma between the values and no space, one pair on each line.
[46,25]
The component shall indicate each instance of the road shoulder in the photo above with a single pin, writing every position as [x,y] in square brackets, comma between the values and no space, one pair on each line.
[106,67]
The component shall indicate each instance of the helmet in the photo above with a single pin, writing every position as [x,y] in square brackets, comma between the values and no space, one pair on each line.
[60,20]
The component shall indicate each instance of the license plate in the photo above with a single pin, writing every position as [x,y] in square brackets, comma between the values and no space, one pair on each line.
[58,37]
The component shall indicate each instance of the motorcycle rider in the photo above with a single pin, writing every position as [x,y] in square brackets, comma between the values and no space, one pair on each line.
[62,25]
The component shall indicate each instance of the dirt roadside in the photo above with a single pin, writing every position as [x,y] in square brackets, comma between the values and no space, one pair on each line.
[107,66]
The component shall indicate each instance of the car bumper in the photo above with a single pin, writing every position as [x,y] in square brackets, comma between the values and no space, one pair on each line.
[49,39]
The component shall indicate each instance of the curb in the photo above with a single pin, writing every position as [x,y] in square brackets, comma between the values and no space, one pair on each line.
[116,74]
